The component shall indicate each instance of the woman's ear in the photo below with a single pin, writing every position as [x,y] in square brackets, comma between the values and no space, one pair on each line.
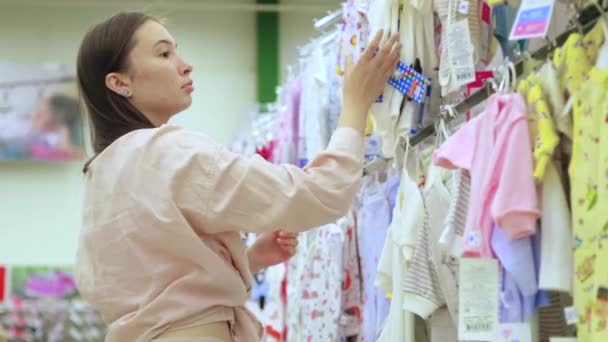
[119,84]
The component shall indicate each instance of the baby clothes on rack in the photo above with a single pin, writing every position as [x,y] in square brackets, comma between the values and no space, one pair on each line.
[416,28]
[313,106]
[589,199]
[316,282]
[288,124]
[540,123]
[373,223]
[351,317]
[443,328]
[423,294]
[552,320]
[576,57]
[499,160]
[334,95]
[274,312]
[384,14]
[355,32]
[407,215]
[446,257]
[519,260]
[556,266]
[549,81]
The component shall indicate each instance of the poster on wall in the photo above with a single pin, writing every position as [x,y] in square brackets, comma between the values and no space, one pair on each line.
[37,282]
[44,305]
[40,114]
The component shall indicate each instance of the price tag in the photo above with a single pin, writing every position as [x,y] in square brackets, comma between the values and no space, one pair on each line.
[479,296]
[460,52]
[533,19]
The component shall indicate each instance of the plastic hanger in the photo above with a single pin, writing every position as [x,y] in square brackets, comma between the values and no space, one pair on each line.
[502,74]
[508,77]
[401,158]
[574,21]
[447,112]
[512,76]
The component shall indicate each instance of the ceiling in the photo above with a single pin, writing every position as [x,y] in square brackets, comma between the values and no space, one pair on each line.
[203,5]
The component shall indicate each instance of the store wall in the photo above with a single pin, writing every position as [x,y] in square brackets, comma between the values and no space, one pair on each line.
[297,30]
[40,203]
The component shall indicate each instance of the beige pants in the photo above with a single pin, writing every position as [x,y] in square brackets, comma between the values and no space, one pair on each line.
[213,332]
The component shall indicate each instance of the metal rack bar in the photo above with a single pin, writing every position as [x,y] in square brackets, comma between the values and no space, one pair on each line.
[328,20]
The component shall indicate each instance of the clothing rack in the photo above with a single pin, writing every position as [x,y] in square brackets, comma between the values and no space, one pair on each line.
[585,20]
[328,20]
[41,82]
[322,40]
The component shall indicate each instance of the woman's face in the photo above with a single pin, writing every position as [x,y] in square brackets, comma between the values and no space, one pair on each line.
[158,78]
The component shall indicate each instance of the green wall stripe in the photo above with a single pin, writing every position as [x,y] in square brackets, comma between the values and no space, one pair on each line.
[267,29]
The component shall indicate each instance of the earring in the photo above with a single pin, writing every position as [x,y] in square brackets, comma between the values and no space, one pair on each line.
[126,92]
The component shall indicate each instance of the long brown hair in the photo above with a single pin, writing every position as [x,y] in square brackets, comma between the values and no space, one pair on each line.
[105,49]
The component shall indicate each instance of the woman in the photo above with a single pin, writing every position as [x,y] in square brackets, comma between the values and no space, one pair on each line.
[160,253]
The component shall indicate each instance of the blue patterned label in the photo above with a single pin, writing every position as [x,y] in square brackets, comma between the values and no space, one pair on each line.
[410,83]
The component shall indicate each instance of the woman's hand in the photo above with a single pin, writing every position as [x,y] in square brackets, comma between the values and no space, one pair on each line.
[364,81]
[271,249]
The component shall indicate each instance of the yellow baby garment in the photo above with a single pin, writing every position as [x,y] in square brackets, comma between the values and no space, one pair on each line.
[541,125]
[589,197]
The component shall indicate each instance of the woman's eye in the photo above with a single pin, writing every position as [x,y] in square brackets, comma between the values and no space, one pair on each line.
[165,54]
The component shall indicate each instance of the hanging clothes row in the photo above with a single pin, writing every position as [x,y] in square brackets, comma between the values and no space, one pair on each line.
[518,185]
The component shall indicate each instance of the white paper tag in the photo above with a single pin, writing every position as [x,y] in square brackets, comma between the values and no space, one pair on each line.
[571,315]
[478,306]
[460,53]
[533,19]
[463,7]
[513,332]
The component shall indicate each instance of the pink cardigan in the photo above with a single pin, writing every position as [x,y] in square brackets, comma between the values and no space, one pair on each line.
[161,247]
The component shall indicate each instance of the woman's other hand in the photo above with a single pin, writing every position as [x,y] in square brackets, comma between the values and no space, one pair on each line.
[271,249]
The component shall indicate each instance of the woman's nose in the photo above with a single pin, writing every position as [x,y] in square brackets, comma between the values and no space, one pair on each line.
[186,68]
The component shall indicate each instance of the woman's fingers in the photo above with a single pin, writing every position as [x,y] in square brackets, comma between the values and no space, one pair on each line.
[368,77]
[395,53]
[392,60]
[287,242]
[372,48]
[386,48]
[284,234]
